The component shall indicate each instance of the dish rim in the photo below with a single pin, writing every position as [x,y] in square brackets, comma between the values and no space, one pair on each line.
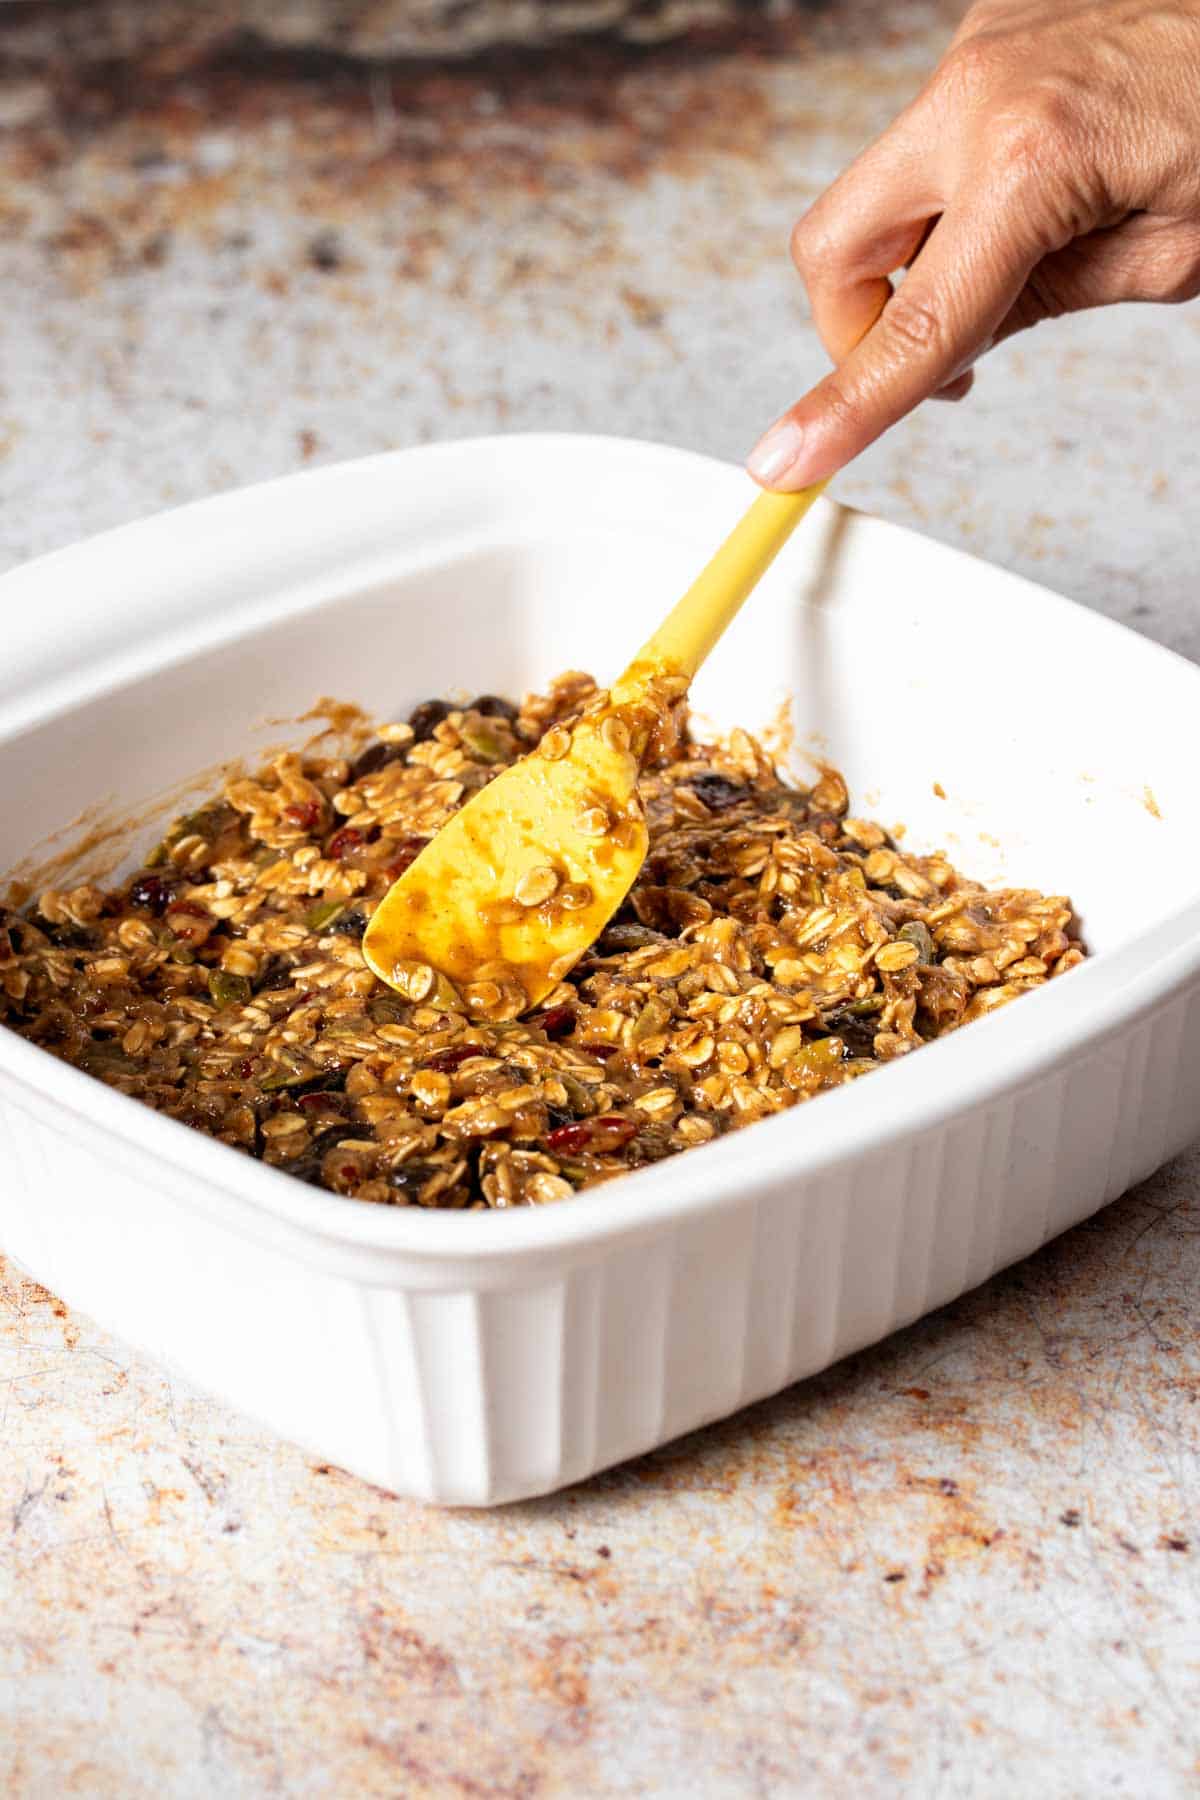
[1010,1049]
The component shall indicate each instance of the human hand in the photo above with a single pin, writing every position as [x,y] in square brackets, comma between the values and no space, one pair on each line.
[1051,164]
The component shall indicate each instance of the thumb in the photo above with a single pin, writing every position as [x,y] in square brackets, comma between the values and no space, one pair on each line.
[960,288]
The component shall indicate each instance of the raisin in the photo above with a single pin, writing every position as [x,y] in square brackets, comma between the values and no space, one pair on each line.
[349,925]
[426,718]
[718,792]
[857,1031]
[151,892]
[376,756]
[556,1021]
[493,707]
[309,1164]
[408,1178]
[609,1132]
[272,975]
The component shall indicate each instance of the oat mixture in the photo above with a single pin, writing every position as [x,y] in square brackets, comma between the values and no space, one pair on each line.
[774,947]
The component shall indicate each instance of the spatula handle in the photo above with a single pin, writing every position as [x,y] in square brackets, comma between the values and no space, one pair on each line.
[690,630]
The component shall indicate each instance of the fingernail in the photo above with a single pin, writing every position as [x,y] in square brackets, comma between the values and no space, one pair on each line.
[775,455]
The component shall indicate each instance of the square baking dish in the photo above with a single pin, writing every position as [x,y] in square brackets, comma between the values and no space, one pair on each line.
[476,1358]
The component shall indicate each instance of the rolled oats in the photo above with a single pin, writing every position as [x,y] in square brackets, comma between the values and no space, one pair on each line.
[773,947]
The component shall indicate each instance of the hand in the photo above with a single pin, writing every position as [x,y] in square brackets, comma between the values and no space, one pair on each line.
[1052,163]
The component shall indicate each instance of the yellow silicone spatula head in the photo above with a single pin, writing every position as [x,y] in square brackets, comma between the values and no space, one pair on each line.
[517,885]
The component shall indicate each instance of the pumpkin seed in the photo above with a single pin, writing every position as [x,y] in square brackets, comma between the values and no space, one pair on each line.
[228,990]
[485,744]
[323,914]
[920,937]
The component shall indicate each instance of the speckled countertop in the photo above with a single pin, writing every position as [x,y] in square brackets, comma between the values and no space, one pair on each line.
[238,238]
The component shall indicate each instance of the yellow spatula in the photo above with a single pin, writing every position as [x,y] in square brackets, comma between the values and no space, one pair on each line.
[516,886]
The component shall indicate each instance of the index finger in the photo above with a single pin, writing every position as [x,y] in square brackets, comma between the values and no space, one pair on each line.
[960,288]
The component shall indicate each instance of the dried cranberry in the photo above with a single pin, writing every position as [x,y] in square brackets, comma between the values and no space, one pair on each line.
[323,1102]
[493,707]
[444,1062]
[407,850]
[718,792]
[246,1068]
[152,892]
[609,1132]
[189,921]
[426,718]
[556,1021]
[601,1051]
[376,756]
[305,815]
[344,842]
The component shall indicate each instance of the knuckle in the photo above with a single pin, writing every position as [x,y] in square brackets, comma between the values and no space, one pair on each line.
[1042,166]
[1036,136]
[1056,112]
[971,67]
[811,242]
[913,325]
[1017,147]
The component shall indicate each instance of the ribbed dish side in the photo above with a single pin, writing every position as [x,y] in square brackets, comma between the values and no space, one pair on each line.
[828,1265]
[476,1396]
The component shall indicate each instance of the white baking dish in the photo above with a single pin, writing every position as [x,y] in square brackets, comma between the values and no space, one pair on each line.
[476,1358]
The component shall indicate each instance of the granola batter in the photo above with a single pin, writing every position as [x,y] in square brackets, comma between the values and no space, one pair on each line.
[773,947]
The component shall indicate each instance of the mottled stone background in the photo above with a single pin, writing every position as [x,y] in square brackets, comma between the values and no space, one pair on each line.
[240,237]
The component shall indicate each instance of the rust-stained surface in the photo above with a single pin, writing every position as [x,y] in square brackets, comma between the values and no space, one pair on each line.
[249,235]
[242,237]
[965,1562]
